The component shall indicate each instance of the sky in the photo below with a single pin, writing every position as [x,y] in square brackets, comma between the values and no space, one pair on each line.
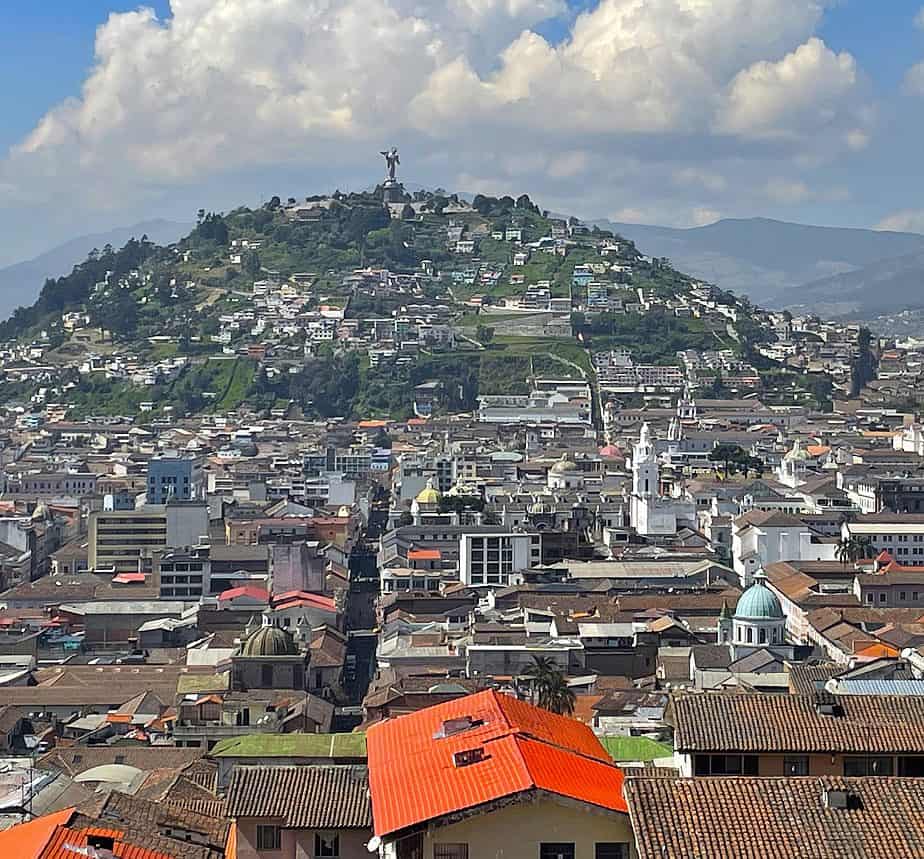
[674,112]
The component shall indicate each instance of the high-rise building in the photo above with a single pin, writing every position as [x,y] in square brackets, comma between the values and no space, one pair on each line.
[174,477]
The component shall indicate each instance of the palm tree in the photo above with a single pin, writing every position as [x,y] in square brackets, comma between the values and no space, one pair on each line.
[557,695]
[843,551]
[539,673]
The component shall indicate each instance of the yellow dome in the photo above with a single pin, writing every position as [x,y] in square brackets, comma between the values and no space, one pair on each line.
[429,494]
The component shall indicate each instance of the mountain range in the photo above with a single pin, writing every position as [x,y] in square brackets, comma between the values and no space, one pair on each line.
[21,282]
[771,261]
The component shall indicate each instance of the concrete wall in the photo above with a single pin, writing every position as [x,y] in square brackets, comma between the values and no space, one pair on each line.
[299,843]
[515,832]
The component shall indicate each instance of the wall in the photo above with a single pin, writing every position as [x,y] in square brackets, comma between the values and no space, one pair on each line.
[516,831]
[299,843]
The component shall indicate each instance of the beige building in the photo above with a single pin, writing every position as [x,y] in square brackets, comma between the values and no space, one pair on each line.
[123,541]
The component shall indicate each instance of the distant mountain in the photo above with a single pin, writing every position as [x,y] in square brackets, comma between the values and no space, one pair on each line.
[761,257]
[882,288]
[21,282]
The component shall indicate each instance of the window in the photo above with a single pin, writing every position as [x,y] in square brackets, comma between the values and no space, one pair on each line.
[611,850]
[266,678]
[867,766]
[796,765]
[326,845]
[556,851]
[726,765]
[450,851]
[269,837]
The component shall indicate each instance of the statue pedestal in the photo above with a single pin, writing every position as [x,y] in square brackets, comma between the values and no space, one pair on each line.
[393,191]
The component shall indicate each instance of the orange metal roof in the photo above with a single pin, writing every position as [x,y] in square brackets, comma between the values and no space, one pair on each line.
[424,555]
[63,841]
[878,651]
[27,840]
[413,777]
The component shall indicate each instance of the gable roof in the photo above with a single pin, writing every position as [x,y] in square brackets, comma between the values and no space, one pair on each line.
[304,797]
[415,777]
[766,818]
[869,724]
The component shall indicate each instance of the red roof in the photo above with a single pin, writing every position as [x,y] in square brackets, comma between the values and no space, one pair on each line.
[293,598]
[63,841]
[255,593]
[50,837]
[414,776]
[27,839]
[128,578]
[424,555]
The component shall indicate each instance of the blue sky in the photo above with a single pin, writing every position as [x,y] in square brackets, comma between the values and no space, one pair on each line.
[605,146]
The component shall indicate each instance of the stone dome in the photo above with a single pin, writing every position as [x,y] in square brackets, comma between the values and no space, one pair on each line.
[758,602]
[429,494]
[269,641]
[564,465]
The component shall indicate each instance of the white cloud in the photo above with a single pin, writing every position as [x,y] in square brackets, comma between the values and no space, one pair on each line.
[636,94]
[906,221]
[914,80]
[701,178]
[794,191]
[803,93]
[704,215]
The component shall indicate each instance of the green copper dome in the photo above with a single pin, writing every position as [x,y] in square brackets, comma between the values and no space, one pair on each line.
[758,602]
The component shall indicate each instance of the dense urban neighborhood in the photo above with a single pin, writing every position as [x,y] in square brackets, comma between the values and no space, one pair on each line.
[435,527]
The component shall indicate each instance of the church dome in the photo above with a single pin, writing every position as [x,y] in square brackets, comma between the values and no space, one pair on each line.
[564,465]
[758,602]
[269,641]
[610,451]
[429,494]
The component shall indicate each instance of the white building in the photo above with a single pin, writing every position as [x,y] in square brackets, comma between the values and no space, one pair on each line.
[650,513]
[497,559]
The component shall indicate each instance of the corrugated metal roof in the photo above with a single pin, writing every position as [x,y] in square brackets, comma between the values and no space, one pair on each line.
[415,775]
[879,687]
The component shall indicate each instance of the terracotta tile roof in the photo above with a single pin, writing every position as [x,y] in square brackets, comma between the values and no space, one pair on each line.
[304,797]
[867,724]
[415,774]
[142,820]
[774,818]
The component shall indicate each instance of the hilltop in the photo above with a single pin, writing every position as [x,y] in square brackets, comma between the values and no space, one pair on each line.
[344,305]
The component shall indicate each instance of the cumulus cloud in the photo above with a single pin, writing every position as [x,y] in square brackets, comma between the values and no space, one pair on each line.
[914,80]
[799,95]
[637,90]
[906,221]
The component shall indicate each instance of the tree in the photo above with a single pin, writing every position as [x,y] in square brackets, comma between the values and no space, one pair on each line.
[408,213]
[484,334]
[843,551]
[726,454]
[558,696]
[251,263]
[539,673]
